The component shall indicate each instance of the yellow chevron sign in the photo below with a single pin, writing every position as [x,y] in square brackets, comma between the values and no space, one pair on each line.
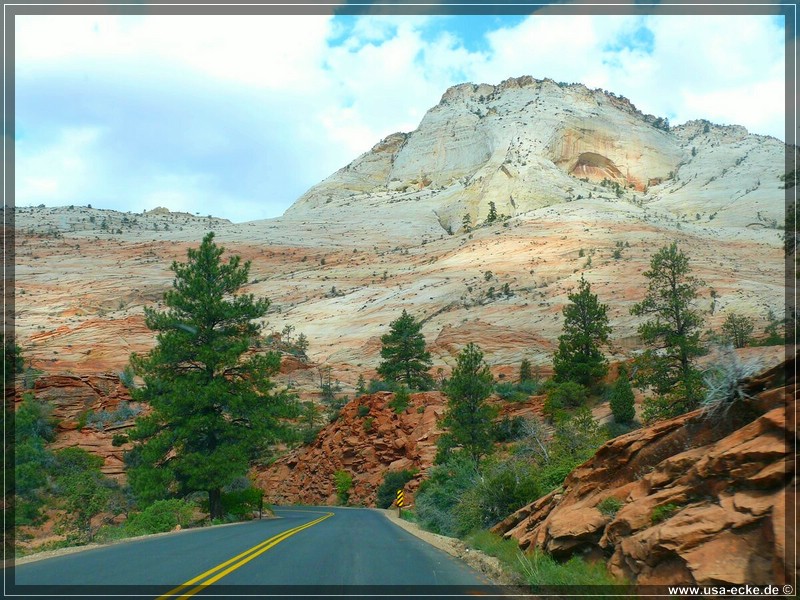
[399,497]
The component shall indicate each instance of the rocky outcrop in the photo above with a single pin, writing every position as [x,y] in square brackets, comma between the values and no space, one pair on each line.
[367,440]
[90,410]
[694,499]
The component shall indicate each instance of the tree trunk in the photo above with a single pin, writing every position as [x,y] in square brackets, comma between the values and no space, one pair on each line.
[215,503]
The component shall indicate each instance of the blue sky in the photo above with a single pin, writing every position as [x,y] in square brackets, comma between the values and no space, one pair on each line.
[238,116]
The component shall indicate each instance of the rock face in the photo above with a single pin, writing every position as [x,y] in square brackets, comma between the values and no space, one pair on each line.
[90,410]
[367,440]
[375,237]
[688,500]
[526,144]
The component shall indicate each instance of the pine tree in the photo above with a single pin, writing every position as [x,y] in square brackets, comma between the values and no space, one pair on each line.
[578,358]
[492,216]
[213,405]
[469,417]
[405,359]
[622,398]
[669,368]
[361,386]
[738,329]
[525,373]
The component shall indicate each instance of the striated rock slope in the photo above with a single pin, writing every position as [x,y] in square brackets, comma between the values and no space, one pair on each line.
[375,237]
[699,500]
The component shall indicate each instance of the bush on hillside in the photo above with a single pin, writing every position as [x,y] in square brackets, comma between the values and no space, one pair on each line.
[392,481]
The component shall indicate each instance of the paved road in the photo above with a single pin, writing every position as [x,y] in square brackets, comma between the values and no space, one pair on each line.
[344,550]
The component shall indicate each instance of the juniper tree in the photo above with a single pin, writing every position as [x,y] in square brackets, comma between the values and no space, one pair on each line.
[578,358]
[405,359]
[669,368]
[213,405]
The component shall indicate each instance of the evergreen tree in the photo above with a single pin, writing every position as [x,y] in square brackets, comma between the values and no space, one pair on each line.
[738,329]
[405,359]
[669,368]
[578,358]
[466,222]
[492,216]
[361,386]
[213,405]
[469,417]
[622,399]
[525,373]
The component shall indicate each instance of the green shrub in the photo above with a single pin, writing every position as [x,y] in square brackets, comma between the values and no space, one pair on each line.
[564,396]
[392,481]
[343,482]
[162,515]
[368,424]
[664,512]
[80,486]
[457,499]
[506,390]
[438,495]
[622,399]
[541,569]
[241,503]
[399,403]
[508,429]
[363,410]
[610,506]
[529,387]
[614,429]
[376,385]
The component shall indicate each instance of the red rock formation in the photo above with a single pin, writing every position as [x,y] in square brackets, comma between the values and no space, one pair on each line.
[391,443]
[74,397]
[722,487]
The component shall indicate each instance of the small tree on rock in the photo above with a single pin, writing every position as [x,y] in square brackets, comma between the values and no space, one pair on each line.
[405,359]
[674,328]
[492,216]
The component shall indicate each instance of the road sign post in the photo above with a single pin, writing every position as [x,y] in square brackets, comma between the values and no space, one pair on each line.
[399,502]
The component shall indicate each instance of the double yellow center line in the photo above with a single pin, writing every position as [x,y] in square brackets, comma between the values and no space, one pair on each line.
[211,576]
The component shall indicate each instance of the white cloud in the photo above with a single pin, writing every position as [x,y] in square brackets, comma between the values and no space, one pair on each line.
[57,170]
[257,109]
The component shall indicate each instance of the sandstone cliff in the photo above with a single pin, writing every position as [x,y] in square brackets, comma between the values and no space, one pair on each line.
[526,144]
[693,499]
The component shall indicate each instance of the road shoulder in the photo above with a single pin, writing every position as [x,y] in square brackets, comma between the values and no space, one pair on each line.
[488,565]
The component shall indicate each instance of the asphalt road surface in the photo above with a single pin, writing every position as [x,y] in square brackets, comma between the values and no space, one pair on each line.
[322,551]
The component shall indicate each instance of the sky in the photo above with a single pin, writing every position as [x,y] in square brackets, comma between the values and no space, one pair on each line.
[237,116]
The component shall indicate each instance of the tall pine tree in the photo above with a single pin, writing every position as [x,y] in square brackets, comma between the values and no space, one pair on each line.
[578,358]
[405,359]
[213,405]
[673,329]
[469,417]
